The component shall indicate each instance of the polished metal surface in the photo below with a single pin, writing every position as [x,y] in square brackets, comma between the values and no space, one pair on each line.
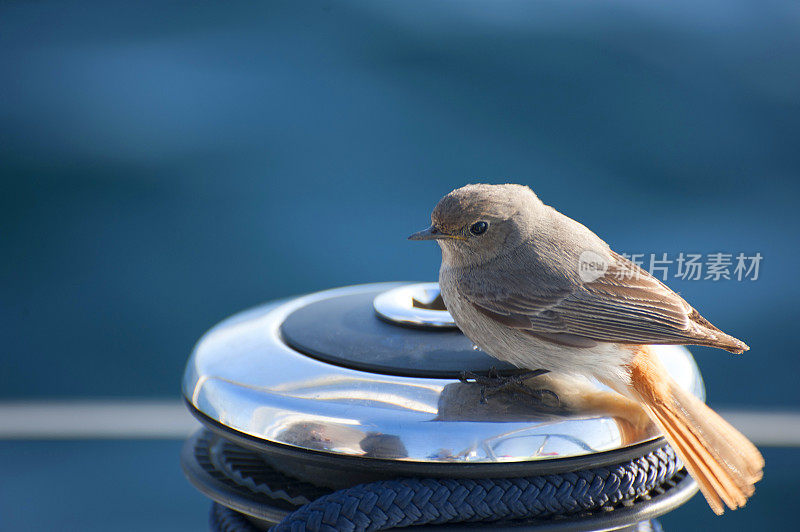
[244,376]
[410,304]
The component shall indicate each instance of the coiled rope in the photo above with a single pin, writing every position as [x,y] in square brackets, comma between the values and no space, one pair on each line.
[406,502]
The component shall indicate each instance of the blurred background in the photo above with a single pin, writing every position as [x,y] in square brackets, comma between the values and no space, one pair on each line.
[164,165]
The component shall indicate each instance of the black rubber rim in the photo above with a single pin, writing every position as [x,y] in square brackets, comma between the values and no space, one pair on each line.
[346,331]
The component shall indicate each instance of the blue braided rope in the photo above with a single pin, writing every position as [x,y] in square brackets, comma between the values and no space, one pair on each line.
[411,501]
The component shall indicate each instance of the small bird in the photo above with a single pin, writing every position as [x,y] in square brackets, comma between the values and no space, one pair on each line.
[533,287]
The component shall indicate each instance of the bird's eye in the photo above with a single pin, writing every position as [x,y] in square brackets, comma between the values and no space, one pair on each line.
[478,228]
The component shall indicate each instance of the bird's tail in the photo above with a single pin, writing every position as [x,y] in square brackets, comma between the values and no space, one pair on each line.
[722,460]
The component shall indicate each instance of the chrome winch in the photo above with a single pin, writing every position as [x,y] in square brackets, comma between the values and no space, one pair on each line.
[358,392]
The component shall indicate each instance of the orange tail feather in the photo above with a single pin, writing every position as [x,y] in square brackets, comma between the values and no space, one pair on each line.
[724,462]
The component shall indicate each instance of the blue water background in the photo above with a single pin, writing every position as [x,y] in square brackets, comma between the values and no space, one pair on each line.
[164,165]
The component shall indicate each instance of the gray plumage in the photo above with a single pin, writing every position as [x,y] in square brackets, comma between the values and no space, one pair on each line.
[523,275]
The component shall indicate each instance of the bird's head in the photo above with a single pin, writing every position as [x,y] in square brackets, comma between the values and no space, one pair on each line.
[476,223]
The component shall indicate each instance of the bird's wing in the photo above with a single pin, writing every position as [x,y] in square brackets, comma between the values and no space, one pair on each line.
[626,305]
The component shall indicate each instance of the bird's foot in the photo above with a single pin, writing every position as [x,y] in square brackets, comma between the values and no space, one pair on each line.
[493,383]
[494,379]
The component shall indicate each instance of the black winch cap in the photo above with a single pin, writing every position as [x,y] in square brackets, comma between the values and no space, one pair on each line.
[345,331]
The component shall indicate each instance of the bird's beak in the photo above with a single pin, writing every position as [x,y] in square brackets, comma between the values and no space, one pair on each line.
[431,233]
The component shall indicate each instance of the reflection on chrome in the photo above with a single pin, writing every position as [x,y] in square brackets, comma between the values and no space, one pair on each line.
[417,304]
[369,392]
[242,375]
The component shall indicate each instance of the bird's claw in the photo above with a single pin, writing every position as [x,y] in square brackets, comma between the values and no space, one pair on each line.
[495,383]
